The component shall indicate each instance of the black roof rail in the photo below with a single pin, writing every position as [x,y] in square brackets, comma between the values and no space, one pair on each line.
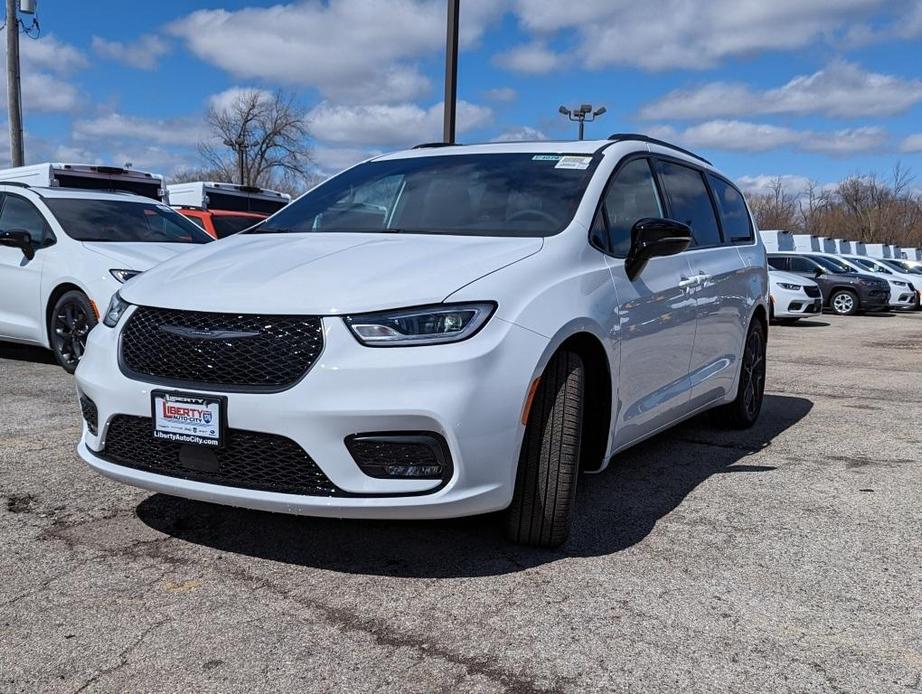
[15,183]
[429,145]
[654,141]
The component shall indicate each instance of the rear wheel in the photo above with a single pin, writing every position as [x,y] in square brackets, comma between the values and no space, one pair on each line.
[844,302]
[545,485]
[72,318]
[743,412]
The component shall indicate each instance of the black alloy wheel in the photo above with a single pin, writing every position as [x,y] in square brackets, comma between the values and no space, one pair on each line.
[72,318]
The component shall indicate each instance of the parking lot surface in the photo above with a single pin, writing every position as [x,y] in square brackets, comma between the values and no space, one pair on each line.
[784,558]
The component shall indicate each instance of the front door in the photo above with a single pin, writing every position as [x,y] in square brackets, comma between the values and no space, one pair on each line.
[657,311]
[21,315]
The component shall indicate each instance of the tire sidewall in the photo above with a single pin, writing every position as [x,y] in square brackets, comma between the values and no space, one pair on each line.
[852,295]
[72,296]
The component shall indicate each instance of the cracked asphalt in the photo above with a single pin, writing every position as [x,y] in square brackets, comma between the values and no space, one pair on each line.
[787,558]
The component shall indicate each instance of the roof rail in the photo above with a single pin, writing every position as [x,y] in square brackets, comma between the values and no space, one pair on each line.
[430,145]
[654,141]
[15,183]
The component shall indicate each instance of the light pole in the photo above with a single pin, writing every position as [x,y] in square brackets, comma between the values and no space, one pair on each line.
[582,114]
[451,72]
[239,146]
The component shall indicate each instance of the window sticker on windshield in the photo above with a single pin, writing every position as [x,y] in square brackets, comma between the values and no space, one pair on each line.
[573,163]
[546,157]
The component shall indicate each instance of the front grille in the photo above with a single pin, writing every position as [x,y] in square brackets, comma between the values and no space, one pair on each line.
[249,459]
[90,414]
[227,350]
[812,292]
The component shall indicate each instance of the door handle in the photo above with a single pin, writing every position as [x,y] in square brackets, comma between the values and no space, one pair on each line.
[687,282]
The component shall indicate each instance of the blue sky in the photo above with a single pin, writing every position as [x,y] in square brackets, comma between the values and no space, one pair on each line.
[817,89]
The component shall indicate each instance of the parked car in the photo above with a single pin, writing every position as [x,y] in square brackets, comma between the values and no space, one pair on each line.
[793,297]
[905,287]
[845,290]
[439,332]
[222,209]
[64,252]
[913,267]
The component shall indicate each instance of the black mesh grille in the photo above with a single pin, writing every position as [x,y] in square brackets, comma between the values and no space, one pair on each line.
[266,353]
[812,292]
[375,453]
[249,459]
[90,415]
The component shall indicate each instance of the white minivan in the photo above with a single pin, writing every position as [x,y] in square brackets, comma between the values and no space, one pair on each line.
[439,332]
[65,251]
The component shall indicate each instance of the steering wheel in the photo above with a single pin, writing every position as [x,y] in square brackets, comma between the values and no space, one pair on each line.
[533,213]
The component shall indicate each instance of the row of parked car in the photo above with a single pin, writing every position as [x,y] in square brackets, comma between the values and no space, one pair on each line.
[72,234]
[806,283]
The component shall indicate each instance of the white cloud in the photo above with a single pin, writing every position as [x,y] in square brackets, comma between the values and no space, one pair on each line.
[690,35]
[224,100]
[142,54]
[501,94]
[742,136]
[389,125]
[330,160]
[361,51]
[115,126]
[913,143]
[763,184]
[523,134]
[46,65]
[48,53]
[532,58]
[840,90]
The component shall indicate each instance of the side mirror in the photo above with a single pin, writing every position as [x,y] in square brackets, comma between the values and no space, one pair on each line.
[651,238]
[819,272]
[18,238]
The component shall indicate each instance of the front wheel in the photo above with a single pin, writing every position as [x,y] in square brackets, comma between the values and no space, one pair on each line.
[743,412]
[545,483]
[844,302]
[72,318]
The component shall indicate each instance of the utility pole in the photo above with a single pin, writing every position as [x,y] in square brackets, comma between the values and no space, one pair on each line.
[239,147]
[451,71]
[14,98]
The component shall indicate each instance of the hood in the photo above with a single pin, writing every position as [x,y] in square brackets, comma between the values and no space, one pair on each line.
[788,278]
[324,273]
[136,256]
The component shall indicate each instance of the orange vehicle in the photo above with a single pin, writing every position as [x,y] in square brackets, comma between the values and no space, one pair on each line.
[222,209]
[220,223]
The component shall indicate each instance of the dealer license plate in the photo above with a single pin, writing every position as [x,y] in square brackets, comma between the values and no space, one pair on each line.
[189,418]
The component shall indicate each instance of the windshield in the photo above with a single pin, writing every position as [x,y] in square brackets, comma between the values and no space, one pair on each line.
[869,265]
[225,224]
[473,194]
[900,266]
[832,265]
[118,220]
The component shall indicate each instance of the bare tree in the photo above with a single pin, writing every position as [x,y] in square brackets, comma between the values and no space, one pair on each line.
[776,209]
[262,136]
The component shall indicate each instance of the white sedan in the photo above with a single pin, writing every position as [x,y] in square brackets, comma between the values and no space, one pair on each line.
[793,297]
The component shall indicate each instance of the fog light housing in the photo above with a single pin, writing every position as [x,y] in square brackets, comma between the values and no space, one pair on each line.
[90,414]
[418,455]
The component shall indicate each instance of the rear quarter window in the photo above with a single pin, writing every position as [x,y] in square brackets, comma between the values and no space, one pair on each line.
[734,217]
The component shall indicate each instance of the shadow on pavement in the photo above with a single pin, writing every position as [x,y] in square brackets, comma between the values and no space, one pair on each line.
[39,355]
[807,324]
[615,510]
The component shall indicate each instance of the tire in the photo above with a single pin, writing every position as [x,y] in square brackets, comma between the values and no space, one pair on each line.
[743,412]
[72,318]
[844,302]
[545,483]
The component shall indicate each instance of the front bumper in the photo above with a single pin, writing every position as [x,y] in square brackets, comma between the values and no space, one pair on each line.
[471,393]
[794,304]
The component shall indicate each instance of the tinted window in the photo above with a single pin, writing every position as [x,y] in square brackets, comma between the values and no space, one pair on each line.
[776,262]
[117,220]
[832,265]
[19,213]
[198,221]
[474,194]
[734,217]
[802,265]
[631,196]
[225,225]
[690,203]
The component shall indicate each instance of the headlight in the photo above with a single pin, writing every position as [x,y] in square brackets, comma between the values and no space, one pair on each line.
[869,283]
[791,287]
[900,284]
[124,275]
[427,325]
[117,306]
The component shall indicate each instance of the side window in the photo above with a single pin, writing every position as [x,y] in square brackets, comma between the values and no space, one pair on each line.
[734,217]
[689,202]
[630,196]
[19,213]
[777,263]
[802,265]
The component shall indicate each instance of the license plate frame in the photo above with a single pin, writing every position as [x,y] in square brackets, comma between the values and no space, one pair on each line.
[210,434]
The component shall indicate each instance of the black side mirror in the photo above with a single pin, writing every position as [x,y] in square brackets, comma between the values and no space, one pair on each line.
[651,238]
[819,272]
[18,238]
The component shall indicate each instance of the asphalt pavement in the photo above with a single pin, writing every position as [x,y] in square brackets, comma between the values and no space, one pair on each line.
[787,558]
